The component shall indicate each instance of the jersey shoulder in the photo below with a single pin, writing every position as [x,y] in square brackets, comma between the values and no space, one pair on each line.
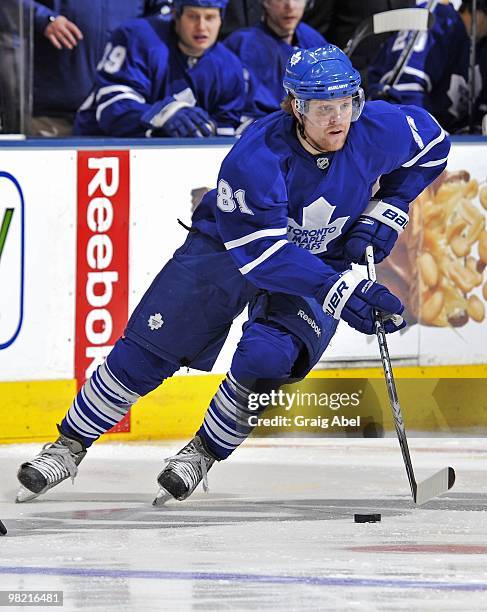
[145,32]
[309,37]
[143,26]
[448,27]
[445,14]
[224,58]
[239,35]
[393,132]
[255,162]
[246,39]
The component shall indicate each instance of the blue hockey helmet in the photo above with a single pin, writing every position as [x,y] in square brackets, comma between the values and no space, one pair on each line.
[323,73]
[219,4]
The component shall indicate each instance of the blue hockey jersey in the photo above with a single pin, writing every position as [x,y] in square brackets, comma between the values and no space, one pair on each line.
[437,73]
[142,65]
[284,220]
[265,55]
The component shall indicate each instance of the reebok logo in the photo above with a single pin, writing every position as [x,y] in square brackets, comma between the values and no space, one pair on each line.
[311,322]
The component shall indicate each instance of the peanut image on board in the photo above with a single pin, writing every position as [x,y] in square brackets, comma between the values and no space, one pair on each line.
[437,266]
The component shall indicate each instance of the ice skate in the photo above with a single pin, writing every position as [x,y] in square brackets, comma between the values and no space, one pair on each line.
[56,462]
[183,472]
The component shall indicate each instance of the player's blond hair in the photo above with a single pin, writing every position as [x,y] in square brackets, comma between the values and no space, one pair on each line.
[286,104]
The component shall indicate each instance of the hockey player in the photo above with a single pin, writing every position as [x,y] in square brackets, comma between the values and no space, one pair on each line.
[167,78]
[293,207]
[436,75]
[265,48]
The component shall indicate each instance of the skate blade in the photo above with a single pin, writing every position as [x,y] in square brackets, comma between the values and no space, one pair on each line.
[162,497]
[24,495]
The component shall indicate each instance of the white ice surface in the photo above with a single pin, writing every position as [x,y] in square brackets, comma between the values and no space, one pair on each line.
[276,531]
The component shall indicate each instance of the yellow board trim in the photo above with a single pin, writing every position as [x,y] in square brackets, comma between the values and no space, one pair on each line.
[30,410]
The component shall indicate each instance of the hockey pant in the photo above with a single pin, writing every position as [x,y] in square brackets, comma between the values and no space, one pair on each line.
[183,320]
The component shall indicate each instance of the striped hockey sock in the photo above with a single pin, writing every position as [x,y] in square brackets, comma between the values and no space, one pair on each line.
[226,421]
[101,403]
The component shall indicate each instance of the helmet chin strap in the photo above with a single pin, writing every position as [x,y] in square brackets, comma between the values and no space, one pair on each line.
[312,143]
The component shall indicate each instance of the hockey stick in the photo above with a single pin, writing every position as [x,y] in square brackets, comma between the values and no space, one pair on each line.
[390,21]
[408,50]
[441,481]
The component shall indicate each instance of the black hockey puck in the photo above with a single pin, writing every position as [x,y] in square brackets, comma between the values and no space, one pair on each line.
[3,529]
[367,518]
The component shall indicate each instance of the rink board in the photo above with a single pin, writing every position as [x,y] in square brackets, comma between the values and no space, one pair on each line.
[175,410]
[68,280]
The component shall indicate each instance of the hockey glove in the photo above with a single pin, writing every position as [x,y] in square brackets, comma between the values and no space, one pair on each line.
[178,119]
[189,122]
[379,225]
[386,93]
[352,298]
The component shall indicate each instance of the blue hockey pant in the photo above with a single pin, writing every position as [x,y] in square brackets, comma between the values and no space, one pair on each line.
[183,320]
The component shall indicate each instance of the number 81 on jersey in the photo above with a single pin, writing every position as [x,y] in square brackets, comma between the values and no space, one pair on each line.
[226,199]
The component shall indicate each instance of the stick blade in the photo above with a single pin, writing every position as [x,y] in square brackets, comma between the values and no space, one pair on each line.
[435,485]
[401,19]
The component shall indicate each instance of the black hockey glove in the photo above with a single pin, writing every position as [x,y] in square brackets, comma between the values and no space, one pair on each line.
[379,225]
[352,298]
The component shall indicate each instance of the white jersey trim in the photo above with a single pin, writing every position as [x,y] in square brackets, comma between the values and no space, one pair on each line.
[232,244]
[434,162]
[225,131]
[420,74]
[412,71]
[122,96]
[265,255]
[427,148]
[103,91]
[409,87]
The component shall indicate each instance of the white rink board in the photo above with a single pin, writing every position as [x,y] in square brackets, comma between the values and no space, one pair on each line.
[467,344]
[43,349]
[161,181]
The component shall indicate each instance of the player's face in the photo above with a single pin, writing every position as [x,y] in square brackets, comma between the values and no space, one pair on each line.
[327,122]
[197,29]
[283,16]
[481,25]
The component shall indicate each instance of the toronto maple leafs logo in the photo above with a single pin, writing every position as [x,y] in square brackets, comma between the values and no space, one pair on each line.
[316,230]
[295,58]
[155,321]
